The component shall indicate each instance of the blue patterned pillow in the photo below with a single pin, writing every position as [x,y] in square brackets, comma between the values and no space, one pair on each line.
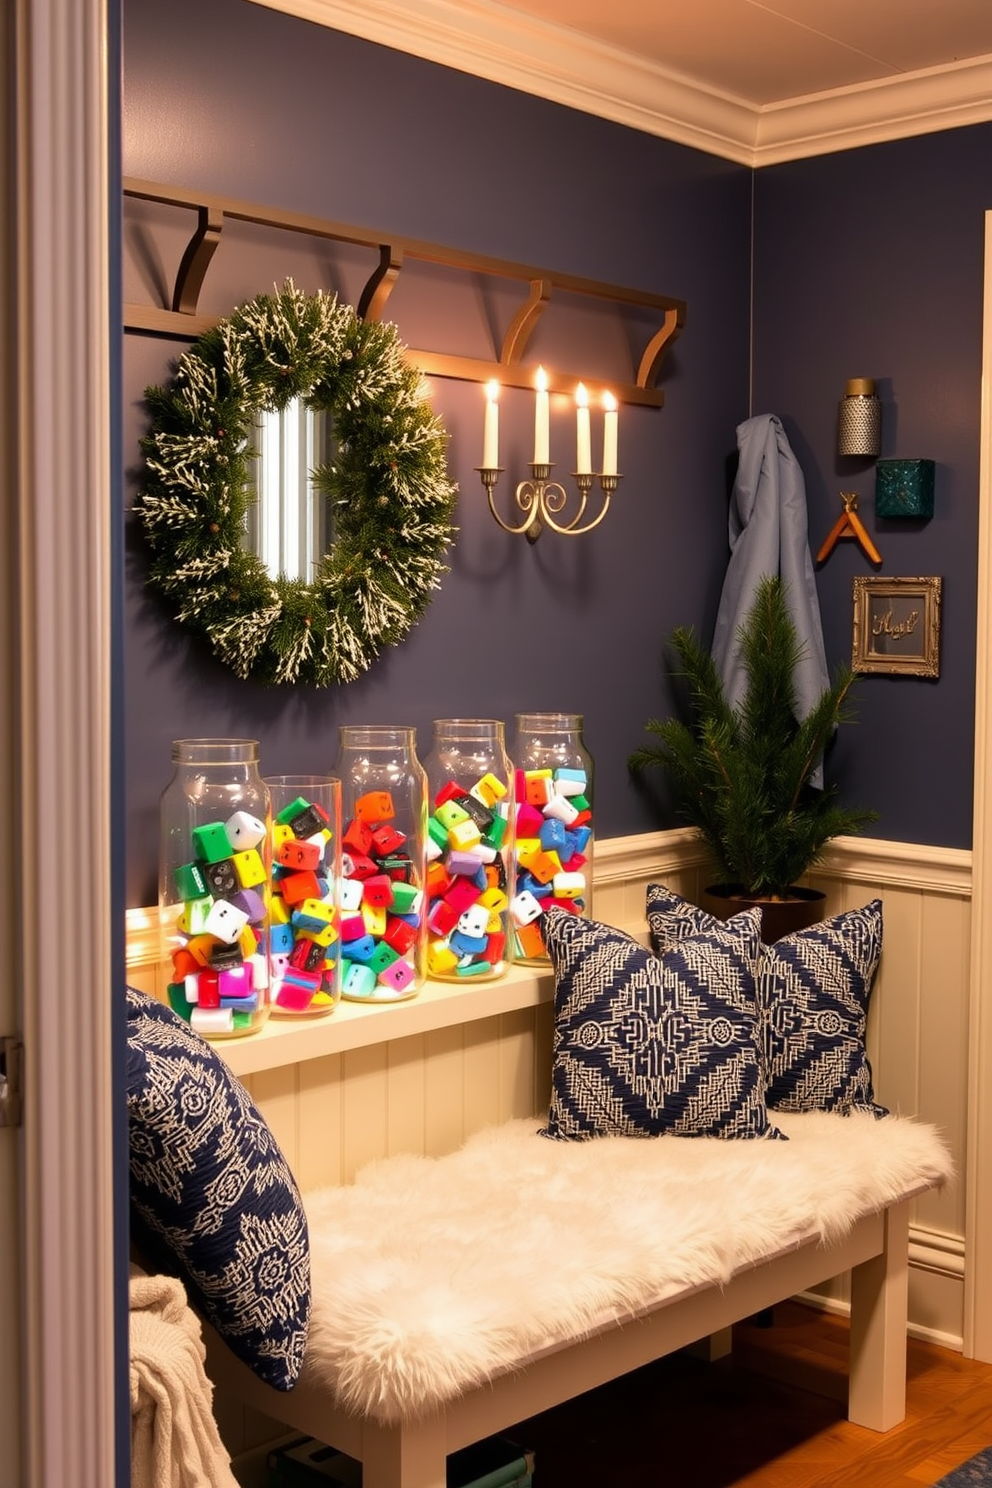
[813,992]
[646,1044]
[210,1183]
[671,918]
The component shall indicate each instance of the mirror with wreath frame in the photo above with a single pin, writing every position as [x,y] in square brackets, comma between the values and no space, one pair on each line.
[376,509]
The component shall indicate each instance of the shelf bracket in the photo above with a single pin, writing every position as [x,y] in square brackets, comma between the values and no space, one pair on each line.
[658,345]
[196,260]
[380,283]
[520,327]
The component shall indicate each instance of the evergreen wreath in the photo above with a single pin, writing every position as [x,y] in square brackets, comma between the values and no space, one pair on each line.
[388,480]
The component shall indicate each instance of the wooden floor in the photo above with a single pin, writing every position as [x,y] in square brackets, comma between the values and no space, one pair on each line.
[768,1416]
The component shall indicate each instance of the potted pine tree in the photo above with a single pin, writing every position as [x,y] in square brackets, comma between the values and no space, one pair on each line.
[744,776]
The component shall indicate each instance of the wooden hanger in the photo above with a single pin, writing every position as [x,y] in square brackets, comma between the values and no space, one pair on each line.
[849,524]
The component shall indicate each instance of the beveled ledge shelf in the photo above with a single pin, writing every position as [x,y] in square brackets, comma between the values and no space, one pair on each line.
[355,1025]
[183,320]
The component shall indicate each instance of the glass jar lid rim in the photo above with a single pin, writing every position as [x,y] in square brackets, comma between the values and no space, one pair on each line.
[371,733]
[221,748]
[549,720]
[313,779]
[478,723]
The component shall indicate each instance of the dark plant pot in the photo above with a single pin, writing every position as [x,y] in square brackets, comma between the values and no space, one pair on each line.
[778,916]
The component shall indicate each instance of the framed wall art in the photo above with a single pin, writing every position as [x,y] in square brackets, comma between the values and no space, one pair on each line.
[897,626]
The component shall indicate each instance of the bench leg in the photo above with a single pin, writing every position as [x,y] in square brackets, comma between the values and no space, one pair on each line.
[713,1347]
[879,1302]
[409,1456]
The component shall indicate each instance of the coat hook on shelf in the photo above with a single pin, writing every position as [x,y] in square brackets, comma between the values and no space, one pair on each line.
[849,524]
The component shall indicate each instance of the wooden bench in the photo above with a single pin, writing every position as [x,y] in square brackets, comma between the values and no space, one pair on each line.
[418,1349]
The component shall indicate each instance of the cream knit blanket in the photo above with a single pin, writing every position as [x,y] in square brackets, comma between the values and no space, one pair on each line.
[174,1438]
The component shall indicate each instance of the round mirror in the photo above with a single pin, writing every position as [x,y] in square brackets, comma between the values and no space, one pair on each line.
[308,587]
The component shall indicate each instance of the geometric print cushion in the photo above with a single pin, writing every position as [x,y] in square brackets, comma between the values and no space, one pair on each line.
[671,918]
[210,1183]
[813,991]
[644,1044]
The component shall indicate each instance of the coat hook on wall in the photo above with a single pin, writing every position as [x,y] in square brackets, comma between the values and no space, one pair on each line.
[849,524]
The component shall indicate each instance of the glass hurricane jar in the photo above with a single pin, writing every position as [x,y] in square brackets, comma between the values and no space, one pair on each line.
[213,885]
[383,836]
[553,783]
[469,848]
[305,922]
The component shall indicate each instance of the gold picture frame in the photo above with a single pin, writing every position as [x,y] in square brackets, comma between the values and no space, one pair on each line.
[897,626]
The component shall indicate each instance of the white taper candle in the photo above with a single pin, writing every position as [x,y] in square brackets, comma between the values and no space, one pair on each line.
[490,429]
[609,434]
[542,437]
[583,440]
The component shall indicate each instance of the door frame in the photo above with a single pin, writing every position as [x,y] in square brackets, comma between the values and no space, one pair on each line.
[56,674]
[978,1222]
[64,173]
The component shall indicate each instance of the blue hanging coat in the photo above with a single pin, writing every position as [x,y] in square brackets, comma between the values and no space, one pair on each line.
[768,536]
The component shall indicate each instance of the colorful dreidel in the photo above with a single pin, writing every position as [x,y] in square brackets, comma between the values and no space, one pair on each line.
[377,890]
[398,976]
[375,806]
[225,922]
[192,918]
[244,830]
[400,934]
[211,1022]
[221,877]
[360,981]
[385,840]
[441,959]
[211,842]
[189,881]
[489,789]
[298,854]
[473,921]
[525,909]
[250,868]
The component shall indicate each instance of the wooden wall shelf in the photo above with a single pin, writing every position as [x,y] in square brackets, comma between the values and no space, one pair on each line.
[183,320]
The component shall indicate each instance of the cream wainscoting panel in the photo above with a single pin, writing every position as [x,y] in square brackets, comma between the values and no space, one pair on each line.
[426,1093]
[918,1038]
[421,1076]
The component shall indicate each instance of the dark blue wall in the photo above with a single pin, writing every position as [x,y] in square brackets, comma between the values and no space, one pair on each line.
[868,263]
[237,99]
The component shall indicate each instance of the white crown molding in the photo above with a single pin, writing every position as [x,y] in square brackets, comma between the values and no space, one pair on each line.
[871,113]
[500,44]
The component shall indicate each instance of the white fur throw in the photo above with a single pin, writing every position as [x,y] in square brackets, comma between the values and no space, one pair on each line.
[432,1275]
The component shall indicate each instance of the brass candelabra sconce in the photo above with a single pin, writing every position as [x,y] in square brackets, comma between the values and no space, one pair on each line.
[540,500]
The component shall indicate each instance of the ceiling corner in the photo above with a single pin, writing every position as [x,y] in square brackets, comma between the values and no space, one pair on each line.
[507,46]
